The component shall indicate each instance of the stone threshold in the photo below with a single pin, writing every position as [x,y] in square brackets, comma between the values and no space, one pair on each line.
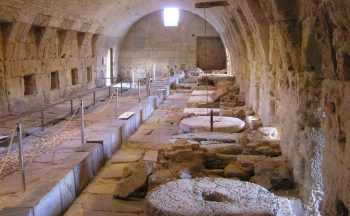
[57,178]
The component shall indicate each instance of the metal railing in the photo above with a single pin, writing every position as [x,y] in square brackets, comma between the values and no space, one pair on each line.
[113,90]
[17,133]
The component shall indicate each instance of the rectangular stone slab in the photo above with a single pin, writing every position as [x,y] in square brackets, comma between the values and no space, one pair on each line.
[127,156]
[126,115]
[151,156]
[201,111]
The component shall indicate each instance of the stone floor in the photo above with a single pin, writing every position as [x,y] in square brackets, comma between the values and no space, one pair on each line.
[40,142]
[54,148]
[33,121]
[155,134]
[158,153]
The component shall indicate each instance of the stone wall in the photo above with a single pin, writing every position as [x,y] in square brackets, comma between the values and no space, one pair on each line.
[149,45]
[293,66]
[37,64]
[290,57]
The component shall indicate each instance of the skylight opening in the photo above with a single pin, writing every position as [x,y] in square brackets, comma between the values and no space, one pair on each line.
[171,17]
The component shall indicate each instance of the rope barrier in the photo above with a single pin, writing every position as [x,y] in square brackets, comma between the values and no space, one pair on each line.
[6,158]
[46,142]
[43,142]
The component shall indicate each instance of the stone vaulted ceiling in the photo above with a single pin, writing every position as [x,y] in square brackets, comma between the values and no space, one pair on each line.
[241,30]
[109,17]
[291,59]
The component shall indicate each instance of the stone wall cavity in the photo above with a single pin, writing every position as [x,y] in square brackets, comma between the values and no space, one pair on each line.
[42,65]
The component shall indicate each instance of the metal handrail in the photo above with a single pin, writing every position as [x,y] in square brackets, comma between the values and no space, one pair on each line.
[44,108]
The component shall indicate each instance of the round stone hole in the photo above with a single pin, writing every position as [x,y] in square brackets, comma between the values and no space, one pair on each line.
[214,196]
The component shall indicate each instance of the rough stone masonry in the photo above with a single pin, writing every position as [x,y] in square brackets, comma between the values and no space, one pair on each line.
[291,59]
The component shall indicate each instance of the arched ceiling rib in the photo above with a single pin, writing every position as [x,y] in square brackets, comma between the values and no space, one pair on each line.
[110,17]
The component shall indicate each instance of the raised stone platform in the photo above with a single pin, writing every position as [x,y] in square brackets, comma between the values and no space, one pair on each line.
[221,124]
[215,196]
[200,111]
[56,178]
[201,101]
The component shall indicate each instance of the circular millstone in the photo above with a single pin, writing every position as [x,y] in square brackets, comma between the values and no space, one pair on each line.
[215,197]
[201,111]
[203,93]
[221,124]
[200,100]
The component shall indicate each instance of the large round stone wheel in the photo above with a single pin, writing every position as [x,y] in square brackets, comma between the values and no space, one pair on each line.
[214,197]
[221,124]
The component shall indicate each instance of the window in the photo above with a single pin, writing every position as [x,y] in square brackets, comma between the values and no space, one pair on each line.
[74,76]
[171,17]
[88,74]
[29,84]
[55,80]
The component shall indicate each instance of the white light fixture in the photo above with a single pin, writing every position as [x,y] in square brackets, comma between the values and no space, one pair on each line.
[171,17]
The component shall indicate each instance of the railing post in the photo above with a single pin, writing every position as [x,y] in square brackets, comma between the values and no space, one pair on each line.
[94,97]
[20,155]
[71,107]
[109,91]
[139,90]
[42,116]
[211,120]
[82,122]
[148,88]
[117,98]
[121,87]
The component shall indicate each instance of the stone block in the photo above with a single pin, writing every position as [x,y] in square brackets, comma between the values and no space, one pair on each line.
[253,122]
[151,156]
[138,179]
[67,190]
[127,156]
[17,212]
[83,173]
[50,204]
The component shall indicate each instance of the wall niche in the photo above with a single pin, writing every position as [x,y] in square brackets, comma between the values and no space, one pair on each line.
[88,74]
[29,84]
[55,80]
[74,76]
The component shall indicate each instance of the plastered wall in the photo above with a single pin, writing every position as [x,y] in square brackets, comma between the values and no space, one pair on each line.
[150,46]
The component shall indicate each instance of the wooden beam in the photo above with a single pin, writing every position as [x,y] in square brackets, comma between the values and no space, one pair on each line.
[211,4]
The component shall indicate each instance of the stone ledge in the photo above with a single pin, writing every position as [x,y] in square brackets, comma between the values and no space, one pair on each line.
[54,182]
